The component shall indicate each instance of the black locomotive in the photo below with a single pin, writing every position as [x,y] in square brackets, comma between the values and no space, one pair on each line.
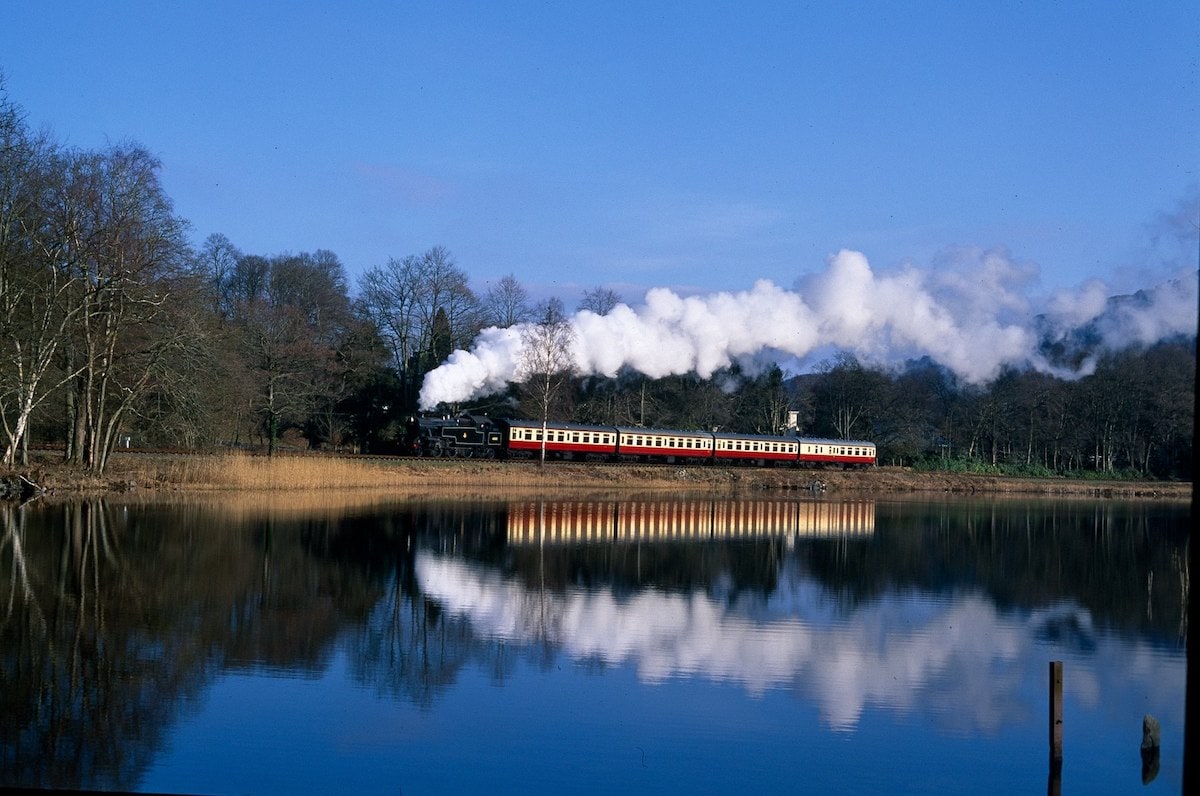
[465,436]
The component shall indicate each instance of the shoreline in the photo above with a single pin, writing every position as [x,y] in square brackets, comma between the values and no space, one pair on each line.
[215,473]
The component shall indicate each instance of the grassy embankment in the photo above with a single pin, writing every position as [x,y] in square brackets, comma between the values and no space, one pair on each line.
[228,472]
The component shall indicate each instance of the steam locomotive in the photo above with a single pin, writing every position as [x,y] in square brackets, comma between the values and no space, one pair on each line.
[478,436]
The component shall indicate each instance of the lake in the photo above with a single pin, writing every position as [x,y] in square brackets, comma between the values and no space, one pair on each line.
[589,644]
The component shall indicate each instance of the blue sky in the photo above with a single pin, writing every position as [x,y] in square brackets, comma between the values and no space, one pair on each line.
[699,146]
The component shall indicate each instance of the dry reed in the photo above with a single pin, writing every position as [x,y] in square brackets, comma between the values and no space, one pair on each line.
[326,473]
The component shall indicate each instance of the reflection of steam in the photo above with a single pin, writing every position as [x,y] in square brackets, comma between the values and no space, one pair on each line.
[968,657]
[971,314]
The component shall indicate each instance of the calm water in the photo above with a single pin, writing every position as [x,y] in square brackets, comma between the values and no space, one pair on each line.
[257,645]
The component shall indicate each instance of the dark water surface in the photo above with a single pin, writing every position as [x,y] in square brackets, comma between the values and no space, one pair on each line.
[253,644]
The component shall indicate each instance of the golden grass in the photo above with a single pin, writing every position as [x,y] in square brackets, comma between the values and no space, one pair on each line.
[327,473]
[233,471]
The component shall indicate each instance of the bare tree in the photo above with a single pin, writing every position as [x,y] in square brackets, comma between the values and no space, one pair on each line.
[848,397]
[763,403]
[507,303]
[546,361]
[403,300]
[297,340]
[125,248]
[35,316]
[217,263]
[600,300]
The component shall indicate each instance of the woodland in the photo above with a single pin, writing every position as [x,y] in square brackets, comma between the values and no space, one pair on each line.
[116,332]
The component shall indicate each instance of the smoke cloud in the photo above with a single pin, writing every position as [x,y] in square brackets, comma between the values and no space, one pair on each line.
[972,312]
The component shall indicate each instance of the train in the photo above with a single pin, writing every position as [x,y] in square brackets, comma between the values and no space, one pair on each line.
[480,436]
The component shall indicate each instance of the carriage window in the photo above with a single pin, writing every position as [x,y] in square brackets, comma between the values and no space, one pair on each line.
[574,438]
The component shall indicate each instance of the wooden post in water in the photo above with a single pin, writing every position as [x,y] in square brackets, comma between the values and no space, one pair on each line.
[1055,783]
[1056,710]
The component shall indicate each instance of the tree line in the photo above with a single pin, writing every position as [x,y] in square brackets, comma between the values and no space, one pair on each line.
[116,332]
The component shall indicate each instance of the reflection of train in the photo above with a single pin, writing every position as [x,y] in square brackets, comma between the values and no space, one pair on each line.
[483,437]
[666,520]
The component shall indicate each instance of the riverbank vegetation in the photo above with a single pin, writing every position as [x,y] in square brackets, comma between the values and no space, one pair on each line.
[313,478]
[116,334]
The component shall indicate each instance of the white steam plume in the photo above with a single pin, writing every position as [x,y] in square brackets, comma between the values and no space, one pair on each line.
[971,314]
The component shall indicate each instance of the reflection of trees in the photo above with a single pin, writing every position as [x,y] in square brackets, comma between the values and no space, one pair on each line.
[1124,562]
[82,684]
[730,567]
[115,618]
[406,647]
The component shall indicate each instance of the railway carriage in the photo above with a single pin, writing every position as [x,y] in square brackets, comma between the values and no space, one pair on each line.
[570,441]
[653,444]
[756,449]
[832,452]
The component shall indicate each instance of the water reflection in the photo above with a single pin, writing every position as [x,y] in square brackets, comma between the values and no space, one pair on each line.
[667,520]
[118,618]
[960,658]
